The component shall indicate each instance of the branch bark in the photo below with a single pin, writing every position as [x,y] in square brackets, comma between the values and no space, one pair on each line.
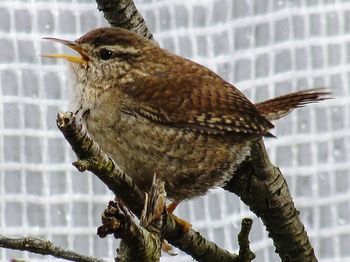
[259,183]
[263,188]
[123,13]
[245,253]
[139,242]
[39,246]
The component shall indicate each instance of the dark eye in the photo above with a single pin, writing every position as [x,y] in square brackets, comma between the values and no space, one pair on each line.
[106,54]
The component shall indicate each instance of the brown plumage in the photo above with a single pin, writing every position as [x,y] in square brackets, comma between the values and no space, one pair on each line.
[156,112]
[278,107]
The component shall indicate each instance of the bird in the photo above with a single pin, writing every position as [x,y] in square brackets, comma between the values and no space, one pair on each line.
[155,112]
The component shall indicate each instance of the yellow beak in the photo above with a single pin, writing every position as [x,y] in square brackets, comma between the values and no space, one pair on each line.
[83,58]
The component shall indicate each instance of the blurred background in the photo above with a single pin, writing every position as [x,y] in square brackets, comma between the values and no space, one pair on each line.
[265,47]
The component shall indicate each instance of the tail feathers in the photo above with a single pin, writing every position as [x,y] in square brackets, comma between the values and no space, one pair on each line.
[278,107]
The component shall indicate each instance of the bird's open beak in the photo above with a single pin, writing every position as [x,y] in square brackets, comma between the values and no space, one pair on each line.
[83,58]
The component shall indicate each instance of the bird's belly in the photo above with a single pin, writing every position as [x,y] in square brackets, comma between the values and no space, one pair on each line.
[189,163]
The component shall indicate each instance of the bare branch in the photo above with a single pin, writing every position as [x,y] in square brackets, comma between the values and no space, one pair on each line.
[245,254]
[123,13]
[263,188]
[138,244]
[44,247]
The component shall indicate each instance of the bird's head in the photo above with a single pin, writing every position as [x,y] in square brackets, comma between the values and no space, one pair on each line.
[106,55]
[108,58]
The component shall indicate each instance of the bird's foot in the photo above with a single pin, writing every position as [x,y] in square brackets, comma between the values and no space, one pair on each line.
[166,248]
[184,225]
[171,207]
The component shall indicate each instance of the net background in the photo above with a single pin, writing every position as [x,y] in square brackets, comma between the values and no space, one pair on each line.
[265,47]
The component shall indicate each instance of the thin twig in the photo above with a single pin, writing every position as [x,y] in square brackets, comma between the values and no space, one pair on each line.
[245,254]
[44,247]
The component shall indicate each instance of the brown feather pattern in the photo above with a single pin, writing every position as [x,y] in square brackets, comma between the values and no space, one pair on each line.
[187,99]
[278,107]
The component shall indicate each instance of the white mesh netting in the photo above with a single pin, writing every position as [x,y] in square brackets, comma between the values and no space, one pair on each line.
[265,47]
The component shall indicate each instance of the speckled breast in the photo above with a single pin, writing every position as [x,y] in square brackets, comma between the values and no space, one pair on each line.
[190,163]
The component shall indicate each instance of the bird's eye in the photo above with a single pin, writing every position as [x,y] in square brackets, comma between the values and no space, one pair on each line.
[106,54]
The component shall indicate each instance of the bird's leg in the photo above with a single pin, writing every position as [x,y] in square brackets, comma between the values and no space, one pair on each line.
[171,207]
[185,226]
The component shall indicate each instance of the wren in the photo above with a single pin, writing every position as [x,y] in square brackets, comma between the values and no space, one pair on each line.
[155,112]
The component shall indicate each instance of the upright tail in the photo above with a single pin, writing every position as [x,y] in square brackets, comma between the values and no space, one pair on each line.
[278,107]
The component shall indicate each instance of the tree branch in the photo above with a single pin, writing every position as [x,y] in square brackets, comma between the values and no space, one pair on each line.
[139,243]
[38,246]
[123,13]
[263,188]
[245,253]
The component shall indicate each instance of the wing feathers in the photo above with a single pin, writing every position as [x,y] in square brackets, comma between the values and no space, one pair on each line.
[195,101]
